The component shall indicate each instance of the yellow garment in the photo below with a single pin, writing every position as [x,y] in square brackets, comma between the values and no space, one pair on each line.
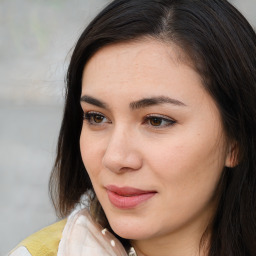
[79,235]
[46,241]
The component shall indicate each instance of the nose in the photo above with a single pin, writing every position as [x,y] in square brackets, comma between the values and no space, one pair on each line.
[122,153]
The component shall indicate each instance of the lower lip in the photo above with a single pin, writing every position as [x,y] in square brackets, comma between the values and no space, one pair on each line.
[128,202]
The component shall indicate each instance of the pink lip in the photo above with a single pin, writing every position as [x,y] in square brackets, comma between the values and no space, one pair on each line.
[127,197]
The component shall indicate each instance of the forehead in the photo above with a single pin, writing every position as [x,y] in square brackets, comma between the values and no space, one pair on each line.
[143,46]
[135,50]
[138,61]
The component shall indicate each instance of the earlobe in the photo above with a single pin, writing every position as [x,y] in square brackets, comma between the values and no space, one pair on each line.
[232,155]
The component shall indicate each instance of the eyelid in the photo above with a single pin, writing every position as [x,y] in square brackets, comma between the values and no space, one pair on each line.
[88,114]
[170,121]
[165,121]
[160,116]
[92,112]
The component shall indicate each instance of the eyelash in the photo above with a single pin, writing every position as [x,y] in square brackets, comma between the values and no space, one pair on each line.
[90,116]
[158,118]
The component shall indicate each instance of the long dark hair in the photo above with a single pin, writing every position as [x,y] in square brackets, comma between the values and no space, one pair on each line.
[222,47]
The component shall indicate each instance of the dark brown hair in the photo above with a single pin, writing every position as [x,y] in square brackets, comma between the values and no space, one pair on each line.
[222,46]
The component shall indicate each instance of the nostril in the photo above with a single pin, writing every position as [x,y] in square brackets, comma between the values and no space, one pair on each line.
[121,154]
[122,161]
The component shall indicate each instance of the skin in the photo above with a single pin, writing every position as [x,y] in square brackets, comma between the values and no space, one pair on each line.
[181,157]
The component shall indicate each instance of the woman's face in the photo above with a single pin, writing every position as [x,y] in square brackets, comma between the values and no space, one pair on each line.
[152,140]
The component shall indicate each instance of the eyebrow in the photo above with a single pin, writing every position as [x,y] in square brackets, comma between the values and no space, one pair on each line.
[143,103]
[93,101]
[146,102]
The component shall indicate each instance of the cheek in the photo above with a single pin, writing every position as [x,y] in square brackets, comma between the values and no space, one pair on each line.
[187,165]
[187,177]
[91,152]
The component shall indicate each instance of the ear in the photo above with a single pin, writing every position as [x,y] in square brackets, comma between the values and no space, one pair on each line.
[232,155]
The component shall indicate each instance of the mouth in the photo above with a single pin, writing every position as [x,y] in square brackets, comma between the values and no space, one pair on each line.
[128,197]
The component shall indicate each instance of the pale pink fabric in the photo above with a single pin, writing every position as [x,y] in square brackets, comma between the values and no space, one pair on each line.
[83,237]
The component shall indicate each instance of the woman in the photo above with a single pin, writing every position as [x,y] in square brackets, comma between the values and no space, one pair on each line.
[158,134]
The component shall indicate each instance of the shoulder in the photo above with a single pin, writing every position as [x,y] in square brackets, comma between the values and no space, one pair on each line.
[78,235]
[43,243]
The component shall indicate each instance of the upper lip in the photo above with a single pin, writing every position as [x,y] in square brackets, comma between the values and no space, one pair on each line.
[127,191]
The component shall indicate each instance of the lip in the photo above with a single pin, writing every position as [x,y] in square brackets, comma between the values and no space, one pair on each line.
[128,197]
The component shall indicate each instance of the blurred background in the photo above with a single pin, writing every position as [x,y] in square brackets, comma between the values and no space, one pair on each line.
[36,39]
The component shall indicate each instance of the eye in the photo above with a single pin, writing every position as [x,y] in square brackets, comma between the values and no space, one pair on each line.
[159,121]
[95,118]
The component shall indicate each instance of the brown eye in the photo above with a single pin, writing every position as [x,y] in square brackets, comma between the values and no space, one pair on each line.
[97,118]
[155,121]
[159,121]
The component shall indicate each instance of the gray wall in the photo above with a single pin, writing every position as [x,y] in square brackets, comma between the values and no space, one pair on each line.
[35,38]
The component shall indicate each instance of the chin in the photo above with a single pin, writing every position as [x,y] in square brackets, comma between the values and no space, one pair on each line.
[130,229]
[130,234]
